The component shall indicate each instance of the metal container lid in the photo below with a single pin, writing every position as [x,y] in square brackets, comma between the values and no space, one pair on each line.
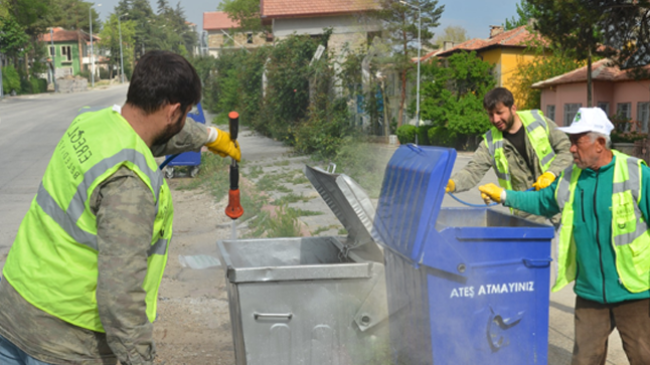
[348,201]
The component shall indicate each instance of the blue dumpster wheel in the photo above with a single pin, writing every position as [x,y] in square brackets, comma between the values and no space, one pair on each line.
[194,171]
[169,172]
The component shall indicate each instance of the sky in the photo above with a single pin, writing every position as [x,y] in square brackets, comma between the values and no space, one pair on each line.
[475,16]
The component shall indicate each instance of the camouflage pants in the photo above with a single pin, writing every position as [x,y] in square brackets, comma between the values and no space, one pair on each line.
[12,355]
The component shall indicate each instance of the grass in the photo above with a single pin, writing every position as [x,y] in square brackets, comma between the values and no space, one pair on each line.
[283,224]
[306,213]
[288,199]
[214,176]
[282,163]
[254,172]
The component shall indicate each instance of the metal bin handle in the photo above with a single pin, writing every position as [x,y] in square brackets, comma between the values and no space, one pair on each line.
[279,316]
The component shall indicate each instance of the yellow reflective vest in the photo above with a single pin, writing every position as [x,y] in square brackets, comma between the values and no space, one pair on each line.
[537,131]
[53,261]
[630,236]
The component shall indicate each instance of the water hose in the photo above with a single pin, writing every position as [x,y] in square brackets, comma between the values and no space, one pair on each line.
[478,205]
[167,160]
[234,209]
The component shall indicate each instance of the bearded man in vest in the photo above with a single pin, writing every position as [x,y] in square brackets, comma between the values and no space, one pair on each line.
[525,149]
[604,244]
[81,280]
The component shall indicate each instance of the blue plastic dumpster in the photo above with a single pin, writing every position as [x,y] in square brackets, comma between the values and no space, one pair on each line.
[465,285]
[191,158]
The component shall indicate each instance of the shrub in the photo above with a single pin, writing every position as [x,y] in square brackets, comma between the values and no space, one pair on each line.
[441,136]
[423,135]
[37,85]
[25,86]
[103,73]
[406,133]
[10,79]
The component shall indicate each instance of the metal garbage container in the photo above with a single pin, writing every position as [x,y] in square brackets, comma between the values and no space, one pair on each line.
[466,285]
[311,300]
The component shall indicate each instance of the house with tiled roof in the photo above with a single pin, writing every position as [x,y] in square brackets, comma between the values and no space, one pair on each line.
[617,92]
[69,50]
[345,17]
[506,50]
[223,33]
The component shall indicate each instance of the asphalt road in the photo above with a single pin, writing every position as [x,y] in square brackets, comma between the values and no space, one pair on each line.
[30,128]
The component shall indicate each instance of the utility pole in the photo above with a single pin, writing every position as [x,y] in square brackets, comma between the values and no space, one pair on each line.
[53,58]
[119,28]
[92,54]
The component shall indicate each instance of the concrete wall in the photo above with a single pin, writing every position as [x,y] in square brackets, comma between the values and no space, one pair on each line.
[613,93]
[218,41]
[345,29]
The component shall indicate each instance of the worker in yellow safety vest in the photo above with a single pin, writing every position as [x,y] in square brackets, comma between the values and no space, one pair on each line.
[604,239]
[525,149]
[80,283]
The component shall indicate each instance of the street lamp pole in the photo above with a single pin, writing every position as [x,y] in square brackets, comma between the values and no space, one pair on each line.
[119,29]
[417,101]
[92,53]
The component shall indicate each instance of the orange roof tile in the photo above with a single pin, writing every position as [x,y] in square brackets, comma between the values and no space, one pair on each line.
[296,9]
[62,35]
[218,20]
[602,70]
[518,37]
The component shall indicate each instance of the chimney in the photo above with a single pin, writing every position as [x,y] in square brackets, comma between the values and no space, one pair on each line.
[495,30]
[447,45]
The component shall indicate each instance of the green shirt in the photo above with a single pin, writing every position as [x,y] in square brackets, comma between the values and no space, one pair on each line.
[597,278]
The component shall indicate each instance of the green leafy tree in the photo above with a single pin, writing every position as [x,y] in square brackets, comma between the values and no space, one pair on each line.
[573,25]
[626,32]
[400,25]
[73,14]
[246,12]
[453,95]
[525,13]
[452,33]
[110,40]
[547,63]
[13,39]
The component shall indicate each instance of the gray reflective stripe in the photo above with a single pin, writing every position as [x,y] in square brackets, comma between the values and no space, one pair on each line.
[633,183]
[627,238]
[158,248]
[490,142]
[502,176]
[77,204]
[563,194]
[548,158]
[540,122]
[540,118]
[533,125]
[51,208]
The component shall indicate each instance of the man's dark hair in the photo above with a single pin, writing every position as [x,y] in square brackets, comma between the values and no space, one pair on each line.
[163,77]
[496,96]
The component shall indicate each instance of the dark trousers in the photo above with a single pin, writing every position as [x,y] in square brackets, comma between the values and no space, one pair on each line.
[595,321]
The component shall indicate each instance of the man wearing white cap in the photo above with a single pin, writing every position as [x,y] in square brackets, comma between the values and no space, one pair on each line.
[604,244]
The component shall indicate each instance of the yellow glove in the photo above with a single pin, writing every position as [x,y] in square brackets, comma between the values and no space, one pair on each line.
[490,192]
[451,186]
[219,142]
[544,180]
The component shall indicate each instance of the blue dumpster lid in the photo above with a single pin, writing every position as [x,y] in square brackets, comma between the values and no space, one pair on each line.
[411,197]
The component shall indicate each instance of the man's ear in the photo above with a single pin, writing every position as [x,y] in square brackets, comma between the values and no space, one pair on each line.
[171,110]
[513,108]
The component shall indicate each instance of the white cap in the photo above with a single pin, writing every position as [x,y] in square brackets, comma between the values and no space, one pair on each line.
[589,120]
